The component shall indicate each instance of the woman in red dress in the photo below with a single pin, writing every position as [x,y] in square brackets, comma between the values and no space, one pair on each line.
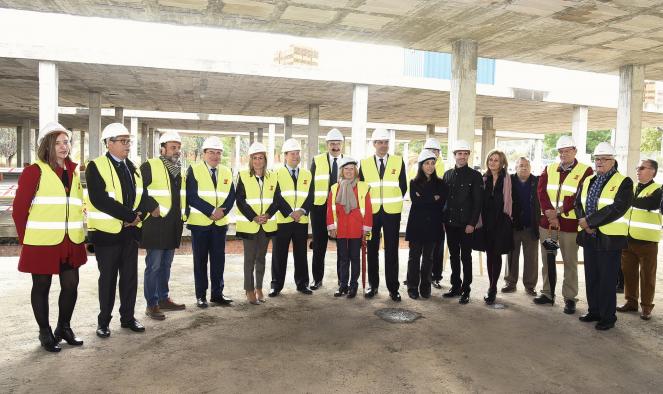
[47,212]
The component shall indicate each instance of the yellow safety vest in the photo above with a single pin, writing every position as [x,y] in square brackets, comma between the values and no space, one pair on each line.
[101,221]
[206,191]
[295,197]
[259,199]
[568,188]
[384,192]
[643,224]
[52,213]
[362,191]
[159,189]
[607,197]
[321,179]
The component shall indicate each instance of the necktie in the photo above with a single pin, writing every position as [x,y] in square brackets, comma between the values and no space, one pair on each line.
[334,173]
[213,176]
[294,176]
[381,168]
[127,173]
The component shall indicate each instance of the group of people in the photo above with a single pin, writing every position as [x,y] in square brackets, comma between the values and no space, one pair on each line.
[354,202]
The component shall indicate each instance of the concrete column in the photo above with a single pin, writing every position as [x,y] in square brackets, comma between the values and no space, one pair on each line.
[35,138]
[150,143]
[392,142]
[26,132]
[359,118]
[537,164]
[487,136]
[144,141]
[251,137]
[238,147]
[19,147]
[629,117]
[430,131]
[48,93]
[462,98]
[94,126]
[313,131]
[579,132]
[287,127]
[133,129]
[271,145]
[406,155]
[119,115]
[82,146]
[260,134]
[155,146]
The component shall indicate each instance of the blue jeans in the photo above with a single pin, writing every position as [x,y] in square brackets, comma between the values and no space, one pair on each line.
[208,242]
[157,274]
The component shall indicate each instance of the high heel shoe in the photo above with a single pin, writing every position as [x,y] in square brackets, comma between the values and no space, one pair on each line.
[251,297]
[260,297]
[490,297]
[65,332]
[48,341]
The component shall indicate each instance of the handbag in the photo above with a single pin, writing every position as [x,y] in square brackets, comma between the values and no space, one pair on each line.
[478,239]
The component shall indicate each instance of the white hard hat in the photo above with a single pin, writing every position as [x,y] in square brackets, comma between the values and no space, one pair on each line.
[51,127]
[431,143]
[257,147]
[170,136]
[461,145]
[426,155]
[114,130]
[380,135]
[334,135]
[290,144]
[212,142]
[344,161]
[565,141]
[604,149]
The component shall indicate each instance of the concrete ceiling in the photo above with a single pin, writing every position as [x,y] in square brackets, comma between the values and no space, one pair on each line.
[233,94]
[590,35]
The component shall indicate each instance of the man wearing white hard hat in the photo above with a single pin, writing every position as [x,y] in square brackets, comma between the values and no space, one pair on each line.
[165,198]
[294,202]
[600,205]
[114,213]
[460,215]
[324,170]
[558,185]
[386,176]
[210,195]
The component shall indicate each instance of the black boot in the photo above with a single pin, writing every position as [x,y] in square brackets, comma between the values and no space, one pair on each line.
[64,332]
[48,341]
[489,298]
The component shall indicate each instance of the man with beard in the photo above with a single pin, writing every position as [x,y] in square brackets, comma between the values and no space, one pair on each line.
[164,194]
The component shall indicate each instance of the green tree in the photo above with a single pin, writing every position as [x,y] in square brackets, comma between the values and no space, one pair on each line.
[651,139]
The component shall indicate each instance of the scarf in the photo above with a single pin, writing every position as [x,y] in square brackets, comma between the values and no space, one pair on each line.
[345,194]
[508,198]
[595,189]
[174,169]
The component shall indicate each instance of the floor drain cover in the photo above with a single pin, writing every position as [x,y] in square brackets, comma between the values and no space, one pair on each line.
[397,315]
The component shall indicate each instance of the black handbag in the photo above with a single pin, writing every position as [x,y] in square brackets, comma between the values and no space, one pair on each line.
[478,239]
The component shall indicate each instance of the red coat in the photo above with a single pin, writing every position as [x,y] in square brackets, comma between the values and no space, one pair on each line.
[349,225]
[42,259]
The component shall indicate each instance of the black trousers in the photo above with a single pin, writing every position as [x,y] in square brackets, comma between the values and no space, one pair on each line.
[298,234]
[601,269]
[390,224]
[419,266]
[112,260]
[348,261]
[438,259]
[320,239]
[460,249]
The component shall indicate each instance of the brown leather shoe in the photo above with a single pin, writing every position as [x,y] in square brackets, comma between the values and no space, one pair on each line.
[154,312]
[646,312]
[509,288]
[170,305]
[531,291]
[628,306]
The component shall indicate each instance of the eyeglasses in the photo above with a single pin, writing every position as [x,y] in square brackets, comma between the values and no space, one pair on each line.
[123,141]
[643,168]
[603,159]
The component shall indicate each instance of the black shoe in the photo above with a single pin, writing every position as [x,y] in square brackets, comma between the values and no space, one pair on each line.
[451,293]
[305,290]
[413,294]
[221,299]
[134,326]
[620,290]
[352,293]
[425,295]
[201,303]
[489,298]
[569,307]
[464,298]
[341,291]
[437,284]
[274,293]
[48,341]
[371,292]
[316,285]
[103,331]
[65,332]
[395,296]
[588,318]
[543,299]
[603,326]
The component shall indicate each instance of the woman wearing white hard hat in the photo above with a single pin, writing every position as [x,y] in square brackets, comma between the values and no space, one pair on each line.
[48,214]
[256,224]
[424,225]
[349,220]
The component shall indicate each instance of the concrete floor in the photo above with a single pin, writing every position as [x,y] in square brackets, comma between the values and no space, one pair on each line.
[318,343]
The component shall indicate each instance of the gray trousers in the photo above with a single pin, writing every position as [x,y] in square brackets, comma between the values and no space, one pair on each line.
[254,259]
[530,246]
[569,250]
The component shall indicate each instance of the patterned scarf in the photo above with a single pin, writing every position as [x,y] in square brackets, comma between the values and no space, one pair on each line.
[173,168]
[595,191]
